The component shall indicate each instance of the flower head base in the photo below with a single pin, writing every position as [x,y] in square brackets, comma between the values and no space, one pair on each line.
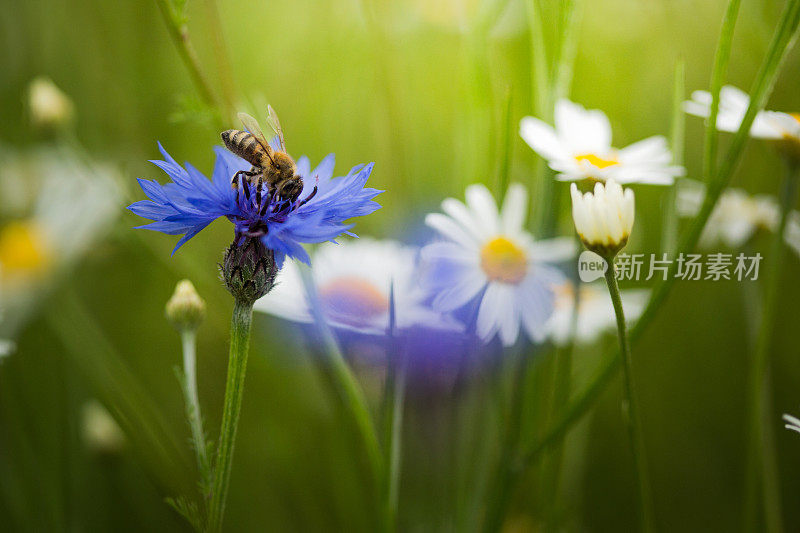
[603,219]
[249,270]
[185,309]
[191,202]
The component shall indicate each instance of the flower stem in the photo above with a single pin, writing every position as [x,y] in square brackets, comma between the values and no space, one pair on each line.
[348,388]
[633,421]
[761,460]
[178,30]
[234,390]
[560,396]
[501,487]
[193,414]
[393,422]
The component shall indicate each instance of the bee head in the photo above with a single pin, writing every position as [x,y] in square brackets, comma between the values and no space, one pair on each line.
[291,188]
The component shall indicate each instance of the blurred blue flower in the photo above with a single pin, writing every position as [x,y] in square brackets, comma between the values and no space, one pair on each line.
[191,202]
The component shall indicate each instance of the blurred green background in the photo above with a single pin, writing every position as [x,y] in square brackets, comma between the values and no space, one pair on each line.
[411,86]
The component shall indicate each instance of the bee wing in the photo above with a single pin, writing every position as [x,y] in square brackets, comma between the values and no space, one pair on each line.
[275,124]
[252,126]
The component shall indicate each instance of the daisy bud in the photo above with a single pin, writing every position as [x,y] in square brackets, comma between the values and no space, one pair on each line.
[185,309]
[101,433]
[50,108]
[248,270]
[603,219]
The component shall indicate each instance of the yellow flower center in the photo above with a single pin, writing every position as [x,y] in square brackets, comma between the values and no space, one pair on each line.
[795,116]
[23,250]
[597,161]
[503,261]
[353,300]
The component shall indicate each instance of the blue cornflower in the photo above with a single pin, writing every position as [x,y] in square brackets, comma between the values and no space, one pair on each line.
[191,202]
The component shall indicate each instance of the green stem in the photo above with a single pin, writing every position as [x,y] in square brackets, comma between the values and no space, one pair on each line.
[349,390]
[561,390]
[179,32]
[234,390]
[761,457]
[503,483]
[193,413]
[669,229]
[222,58]
[633,421]
[393,423]
[721,60]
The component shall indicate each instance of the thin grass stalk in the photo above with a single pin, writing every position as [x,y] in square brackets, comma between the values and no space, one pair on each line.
[669,228]
[349,389]
[118,389]
[179,32]
[718,74]
[501,485]
[561,389]
[760,470]
[394,395]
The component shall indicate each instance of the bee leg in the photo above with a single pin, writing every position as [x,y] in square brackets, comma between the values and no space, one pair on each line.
[235,183]
[305,200]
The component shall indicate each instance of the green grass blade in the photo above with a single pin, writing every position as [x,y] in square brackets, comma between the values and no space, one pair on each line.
[718,75]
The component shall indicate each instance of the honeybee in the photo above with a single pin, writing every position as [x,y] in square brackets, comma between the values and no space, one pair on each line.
[274,167]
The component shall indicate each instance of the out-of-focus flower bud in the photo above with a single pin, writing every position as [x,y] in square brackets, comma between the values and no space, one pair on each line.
[49,107]
[101,433]
[185,309]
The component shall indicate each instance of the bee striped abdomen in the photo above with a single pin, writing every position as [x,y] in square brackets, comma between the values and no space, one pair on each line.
[246,146]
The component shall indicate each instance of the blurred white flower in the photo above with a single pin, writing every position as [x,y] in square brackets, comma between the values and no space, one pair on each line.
[603,218]
[579,147]
[101,433]
[595,311]
[792,423]
[736,217]
[489,252]
[49,106]
[353,281]
[72,208]
[733,105]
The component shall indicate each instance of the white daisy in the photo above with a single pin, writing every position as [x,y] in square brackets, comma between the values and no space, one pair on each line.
[595,311]
[579,147]
[488,252]
[353,281]
[733,104]
[736,217]
[792,423]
